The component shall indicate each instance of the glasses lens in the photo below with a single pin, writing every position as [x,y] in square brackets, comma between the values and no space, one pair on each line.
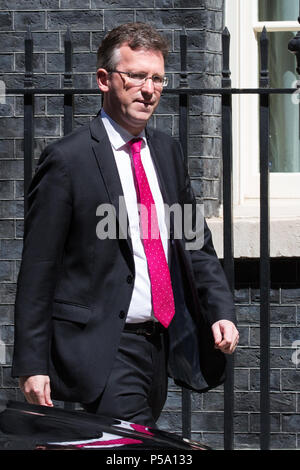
[138,79]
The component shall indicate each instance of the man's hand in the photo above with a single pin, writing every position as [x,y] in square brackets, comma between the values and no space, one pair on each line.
[226,336]
[36,389]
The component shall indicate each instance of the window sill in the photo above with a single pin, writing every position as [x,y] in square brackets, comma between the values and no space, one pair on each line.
[284,236]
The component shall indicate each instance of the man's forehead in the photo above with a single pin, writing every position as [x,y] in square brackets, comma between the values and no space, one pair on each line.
[128,53]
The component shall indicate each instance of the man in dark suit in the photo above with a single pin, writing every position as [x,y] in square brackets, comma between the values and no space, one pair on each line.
[95,313]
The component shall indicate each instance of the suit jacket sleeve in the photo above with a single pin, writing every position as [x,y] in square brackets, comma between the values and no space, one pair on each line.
[215,298]
[46,228]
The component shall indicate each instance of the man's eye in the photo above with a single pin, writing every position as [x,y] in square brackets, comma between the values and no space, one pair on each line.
[138,76]
[157,79]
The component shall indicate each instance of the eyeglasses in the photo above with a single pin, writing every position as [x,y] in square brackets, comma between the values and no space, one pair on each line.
[138,79]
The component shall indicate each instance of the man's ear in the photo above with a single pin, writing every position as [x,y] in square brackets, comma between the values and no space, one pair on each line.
[103,80]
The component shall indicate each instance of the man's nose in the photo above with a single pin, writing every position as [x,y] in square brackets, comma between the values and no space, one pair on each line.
[148,85]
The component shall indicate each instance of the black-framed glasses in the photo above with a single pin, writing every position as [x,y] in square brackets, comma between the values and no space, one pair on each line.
[138,79]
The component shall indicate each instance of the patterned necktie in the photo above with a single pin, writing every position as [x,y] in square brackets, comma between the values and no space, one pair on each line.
[161,287]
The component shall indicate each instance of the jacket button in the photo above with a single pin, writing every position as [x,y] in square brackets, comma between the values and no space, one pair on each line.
[122,314]
[129,279]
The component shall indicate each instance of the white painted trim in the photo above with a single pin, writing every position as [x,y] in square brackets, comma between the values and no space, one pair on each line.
[284,237]
[239,18]
[273,26]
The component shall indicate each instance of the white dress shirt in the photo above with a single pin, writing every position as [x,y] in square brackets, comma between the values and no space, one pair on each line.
[140,308]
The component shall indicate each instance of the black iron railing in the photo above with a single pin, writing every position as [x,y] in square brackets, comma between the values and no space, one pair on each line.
[184,92]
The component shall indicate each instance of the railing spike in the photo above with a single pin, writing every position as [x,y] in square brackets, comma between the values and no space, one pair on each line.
[28,58]
[226,81]
[226,31]
[264,52]
[28,34]
[183,59]
[68,35]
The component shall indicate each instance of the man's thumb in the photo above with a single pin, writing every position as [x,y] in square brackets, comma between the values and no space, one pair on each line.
[217,333]
[48,394]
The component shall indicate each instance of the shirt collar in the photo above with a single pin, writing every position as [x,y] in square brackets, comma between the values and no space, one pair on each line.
[117,135]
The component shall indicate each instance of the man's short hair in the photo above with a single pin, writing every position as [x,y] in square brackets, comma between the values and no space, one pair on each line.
[136,35]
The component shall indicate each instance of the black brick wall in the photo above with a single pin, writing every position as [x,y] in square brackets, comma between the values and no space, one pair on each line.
[203,20]
[49,20]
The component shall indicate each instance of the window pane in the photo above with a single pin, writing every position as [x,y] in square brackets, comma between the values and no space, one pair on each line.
[284,113]
[278,10]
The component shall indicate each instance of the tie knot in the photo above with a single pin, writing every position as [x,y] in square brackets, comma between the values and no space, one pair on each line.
[135,145]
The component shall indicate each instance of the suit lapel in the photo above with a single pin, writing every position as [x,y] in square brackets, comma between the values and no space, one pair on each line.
[109,171]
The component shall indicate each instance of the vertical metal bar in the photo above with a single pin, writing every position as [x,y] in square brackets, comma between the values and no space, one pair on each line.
[183,137]
[183,98]
[264,251]
[68,114]
[28,117]
[68,83]
[227,230]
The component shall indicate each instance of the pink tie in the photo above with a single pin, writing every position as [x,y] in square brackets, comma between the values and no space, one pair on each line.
[161,287]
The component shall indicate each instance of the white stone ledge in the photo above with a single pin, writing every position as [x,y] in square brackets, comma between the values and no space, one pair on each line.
[284,236]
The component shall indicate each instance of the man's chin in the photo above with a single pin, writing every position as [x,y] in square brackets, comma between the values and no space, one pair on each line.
[139,120]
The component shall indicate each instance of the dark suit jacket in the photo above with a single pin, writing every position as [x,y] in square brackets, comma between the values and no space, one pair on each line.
[74,290]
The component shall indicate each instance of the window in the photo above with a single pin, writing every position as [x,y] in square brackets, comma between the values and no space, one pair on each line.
[245,20]
[284,114]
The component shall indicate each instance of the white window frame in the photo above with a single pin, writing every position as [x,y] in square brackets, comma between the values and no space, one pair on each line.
[241,18]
